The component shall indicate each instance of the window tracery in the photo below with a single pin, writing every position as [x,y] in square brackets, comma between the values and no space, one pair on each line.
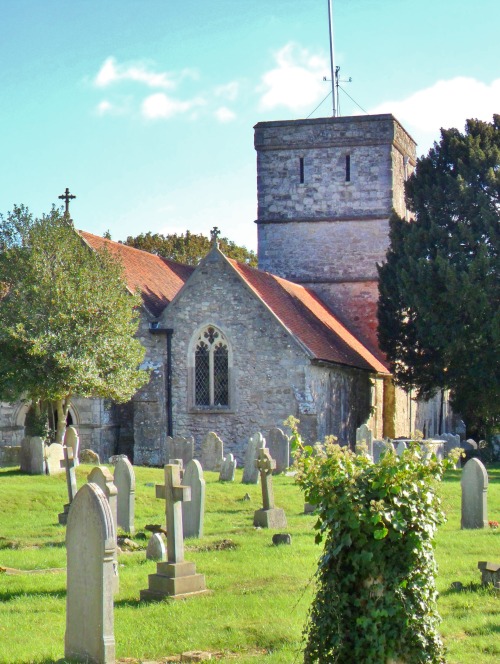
[211,374]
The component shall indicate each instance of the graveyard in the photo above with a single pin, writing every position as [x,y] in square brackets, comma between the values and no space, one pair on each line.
[257,594]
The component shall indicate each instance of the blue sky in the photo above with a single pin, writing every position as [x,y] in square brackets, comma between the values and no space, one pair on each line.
[145,108]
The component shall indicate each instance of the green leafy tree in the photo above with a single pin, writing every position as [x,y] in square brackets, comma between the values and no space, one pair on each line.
[67,321]
[188,248]
[439,313]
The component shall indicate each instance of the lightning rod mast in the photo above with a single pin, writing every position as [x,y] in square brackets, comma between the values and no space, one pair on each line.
[332,59]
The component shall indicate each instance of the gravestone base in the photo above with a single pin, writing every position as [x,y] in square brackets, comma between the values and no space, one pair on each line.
[175,580]
[63,517]
[272,518]
[490,573]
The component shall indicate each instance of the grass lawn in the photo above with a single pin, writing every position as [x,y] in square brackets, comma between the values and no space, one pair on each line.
[259,596]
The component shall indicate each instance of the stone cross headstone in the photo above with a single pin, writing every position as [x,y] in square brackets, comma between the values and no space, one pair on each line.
[124,480]
[54,454]
[269,516]
[228,469]
[91,570]
[37,456]
[250,471]
[156,548]
[364,436]
[72,440]
[212,452]
[175,578]
[68,464]
[101,476]
[193,511]
[474,484]
[180,447]
[278,444]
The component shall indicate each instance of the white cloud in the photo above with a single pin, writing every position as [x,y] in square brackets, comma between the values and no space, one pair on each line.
[104,107]
[297,80]
[111,72]
[445,104]
[228,91]
[224,114]
[160,105]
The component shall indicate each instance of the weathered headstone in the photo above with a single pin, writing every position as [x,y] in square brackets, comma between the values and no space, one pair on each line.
[282,538]
[434,446]
[474,484]
[364,437]
[250,470]
[193,511]
[156,548]
[401,447]
[25,460]
[379,448]
[37,456]
[278,444]
[101,476]
[72,440]
[212,452]
[490,572]
[90,546]
[54,454]
[89,456]
[452,441]
[68,464]
[180,447]
[228,469]
[175,578]
[124,480]
[269,516]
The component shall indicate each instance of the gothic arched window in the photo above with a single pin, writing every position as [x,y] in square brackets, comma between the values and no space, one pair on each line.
[211,369]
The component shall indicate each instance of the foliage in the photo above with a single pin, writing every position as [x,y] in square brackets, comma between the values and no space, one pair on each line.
[439,313]
[67,322]
[189,248]
[376,596]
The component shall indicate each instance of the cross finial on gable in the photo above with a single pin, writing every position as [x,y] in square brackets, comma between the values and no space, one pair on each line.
[214,234]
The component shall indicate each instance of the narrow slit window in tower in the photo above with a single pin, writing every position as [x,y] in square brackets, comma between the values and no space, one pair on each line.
[348,168]
[301,169]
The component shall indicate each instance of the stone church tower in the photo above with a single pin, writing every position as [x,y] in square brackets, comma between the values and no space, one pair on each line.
[326,188]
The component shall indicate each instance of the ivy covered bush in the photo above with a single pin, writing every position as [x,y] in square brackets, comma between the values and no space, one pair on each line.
[375,599]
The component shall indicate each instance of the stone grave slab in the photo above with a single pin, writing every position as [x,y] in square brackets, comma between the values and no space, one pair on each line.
[474,483]
[156,549]
[71,439]
[37,456]
[228,469]
[193,511]
[364,437]
[101,476]
[124,480]
[180,447]
[250,471]
[54,454]
[278,444]
[212,452]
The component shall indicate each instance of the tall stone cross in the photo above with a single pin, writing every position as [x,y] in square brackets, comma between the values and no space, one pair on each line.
[174,495]
[68,463]
[66,197]
[266,464]
[214,234]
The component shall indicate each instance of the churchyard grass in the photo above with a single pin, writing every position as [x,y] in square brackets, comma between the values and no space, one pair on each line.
[259,593]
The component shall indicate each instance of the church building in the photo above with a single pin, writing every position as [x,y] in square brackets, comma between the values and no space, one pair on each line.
[235,350]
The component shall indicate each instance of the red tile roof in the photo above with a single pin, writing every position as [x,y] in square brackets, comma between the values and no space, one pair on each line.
[157,279]
[309,320]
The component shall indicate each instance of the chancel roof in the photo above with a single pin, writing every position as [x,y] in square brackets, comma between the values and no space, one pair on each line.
[158,279]
[303,313]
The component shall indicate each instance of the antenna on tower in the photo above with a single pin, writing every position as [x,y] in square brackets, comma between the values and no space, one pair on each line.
[332,59]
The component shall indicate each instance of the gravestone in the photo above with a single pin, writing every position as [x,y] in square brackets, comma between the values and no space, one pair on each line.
[269,516]
[212,452]
[68,464]
[156,548]
[228,469]
[250,470]
[434,446]
[89,456]
[175,578]
[401,447]
[380,447]
[37,456]
[278,444]
[193,511]
[124,480]
[490,573]
[54,454]
[25,457]
[474,484]
[451,441]
[90,547]
[72,440]
[101,476]
[364,437]
[180,447]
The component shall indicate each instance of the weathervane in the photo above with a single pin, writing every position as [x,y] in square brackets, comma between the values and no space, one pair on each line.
[66,197]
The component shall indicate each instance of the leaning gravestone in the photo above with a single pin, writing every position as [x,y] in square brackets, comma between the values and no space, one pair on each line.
[175,578]
[101,476]
[212,452]
[250,470]
[37,456]
[90,547]
[364,437]
[124,480]
[72,440]
[228,469]
[269,516]
[193,511]
[180,447]
[156,548]
[54,454]
[474,484]
[278,444]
